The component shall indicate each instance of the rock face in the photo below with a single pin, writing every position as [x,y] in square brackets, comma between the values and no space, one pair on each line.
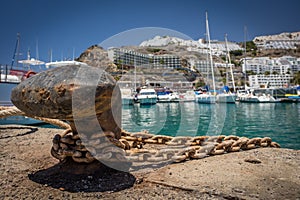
[282,36]
[96,56]
[72,93]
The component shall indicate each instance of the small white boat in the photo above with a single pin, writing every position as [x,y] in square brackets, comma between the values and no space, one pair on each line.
[188,96]
[166,96]
[126,96]
[205,97]
[249,97]
[147,96]
[63,63]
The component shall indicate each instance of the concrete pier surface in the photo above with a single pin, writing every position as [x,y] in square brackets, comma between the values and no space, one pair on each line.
[28,171]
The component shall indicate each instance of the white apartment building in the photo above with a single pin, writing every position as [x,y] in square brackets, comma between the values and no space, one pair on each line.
[272,81]
[282,65]
[202,66]
[129,57]
[280,70]
[167,60]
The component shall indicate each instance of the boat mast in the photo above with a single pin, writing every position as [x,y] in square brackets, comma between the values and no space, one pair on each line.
[16,52]
[134,75]
[207,61]
[226,60]
[37,49]
[245,54]
[210,54]
[50,52]
[73,54]
[229,60]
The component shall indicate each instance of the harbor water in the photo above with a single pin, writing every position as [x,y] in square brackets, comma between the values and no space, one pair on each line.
[280,121]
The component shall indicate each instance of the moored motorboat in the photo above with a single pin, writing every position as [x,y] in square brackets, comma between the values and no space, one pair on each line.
[166,95]
[126,96]
[147,96]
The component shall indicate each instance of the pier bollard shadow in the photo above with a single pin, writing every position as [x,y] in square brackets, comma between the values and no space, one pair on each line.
[78,177]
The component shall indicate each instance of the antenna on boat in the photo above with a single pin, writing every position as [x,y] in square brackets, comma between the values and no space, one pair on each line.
[28,54]
[210,53]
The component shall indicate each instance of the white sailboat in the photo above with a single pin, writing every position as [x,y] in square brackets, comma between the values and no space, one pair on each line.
[249,96]
[227,96]
[207,96]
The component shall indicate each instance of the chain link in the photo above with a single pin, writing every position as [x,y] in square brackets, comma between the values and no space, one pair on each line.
[145,147]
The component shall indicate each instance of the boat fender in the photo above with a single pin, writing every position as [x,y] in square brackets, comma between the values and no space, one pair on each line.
[28,74]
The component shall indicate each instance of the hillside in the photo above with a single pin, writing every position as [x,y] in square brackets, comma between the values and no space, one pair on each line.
[96,56]
[189,51]
[281,36]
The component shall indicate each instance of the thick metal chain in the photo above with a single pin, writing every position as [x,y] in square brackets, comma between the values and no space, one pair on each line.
[142,146]
[146,147]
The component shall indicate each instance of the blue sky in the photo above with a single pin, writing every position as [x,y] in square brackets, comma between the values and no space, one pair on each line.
[64,25]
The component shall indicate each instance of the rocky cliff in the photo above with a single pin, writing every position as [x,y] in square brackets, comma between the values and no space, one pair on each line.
[96,56]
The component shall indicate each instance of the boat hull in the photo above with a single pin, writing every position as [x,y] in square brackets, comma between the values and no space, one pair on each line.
[226,98]
[148,101]
[207,99]
[167,99]
[127,101]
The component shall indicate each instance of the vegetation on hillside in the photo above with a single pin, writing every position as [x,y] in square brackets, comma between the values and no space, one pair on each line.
[296,79]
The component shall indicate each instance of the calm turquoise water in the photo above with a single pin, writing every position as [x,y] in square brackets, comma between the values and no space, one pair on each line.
[280,121]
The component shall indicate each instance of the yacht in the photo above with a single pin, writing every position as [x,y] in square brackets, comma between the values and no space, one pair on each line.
[147,96]
[250,96]
[205,97]
[166,95]
[126,96]
[226,96]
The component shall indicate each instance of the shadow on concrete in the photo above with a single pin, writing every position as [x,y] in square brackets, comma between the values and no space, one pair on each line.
[76,177]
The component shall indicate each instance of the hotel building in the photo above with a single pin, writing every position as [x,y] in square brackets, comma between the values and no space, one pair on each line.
[129,57]
[272,81]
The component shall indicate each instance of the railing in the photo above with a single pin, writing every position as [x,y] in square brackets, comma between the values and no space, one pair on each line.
[3,73]
[9,75]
